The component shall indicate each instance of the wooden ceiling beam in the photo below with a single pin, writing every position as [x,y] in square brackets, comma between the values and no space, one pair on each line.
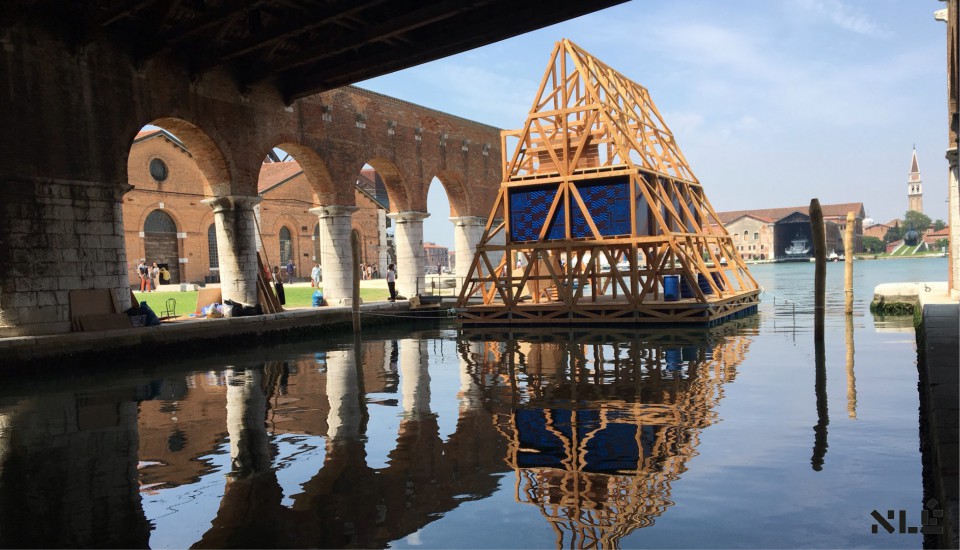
[471,29]
[416,19]
[291,27]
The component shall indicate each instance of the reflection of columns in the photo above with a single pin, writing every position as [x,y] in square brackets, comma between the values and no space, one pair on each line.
[246,422]
[343,394]
[408,240]
[68,471]
[469,394]
[467,231]
[414,378]
[236,246]
[336,222]
[953,219]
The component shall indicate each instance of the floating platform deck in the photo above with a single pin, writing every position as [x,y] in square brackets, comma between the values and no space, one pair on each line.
[610,310]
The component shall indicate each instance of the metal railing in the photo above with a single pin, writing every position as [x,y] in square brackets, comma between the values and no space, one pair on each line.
[439,285]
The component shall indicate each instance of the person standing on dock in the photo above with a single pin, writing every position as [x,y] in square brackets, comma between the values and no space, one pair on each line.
[392,282]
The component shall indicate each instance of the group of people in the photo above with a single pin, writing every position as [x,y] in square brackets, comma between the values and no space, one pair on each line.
[150,275]
[280,276]
[369,272]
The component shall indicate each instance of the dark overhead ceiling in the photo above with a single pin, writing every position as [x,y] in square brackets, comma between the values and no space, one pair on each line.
[302,46]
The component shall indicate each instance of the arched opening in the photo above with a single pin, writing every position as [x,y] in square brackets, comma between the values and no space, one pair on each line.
[370,220]
[160,244]
[438,232]
[213,255]
[286,246]
[173,166]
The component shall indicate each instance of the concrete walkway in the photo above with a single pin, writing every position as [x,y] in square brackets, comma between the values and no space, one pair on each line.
[174,338]
[938,343]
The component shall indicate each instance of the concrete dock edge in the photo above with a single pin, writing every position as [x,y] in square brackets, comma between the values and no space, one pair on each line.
[938,361]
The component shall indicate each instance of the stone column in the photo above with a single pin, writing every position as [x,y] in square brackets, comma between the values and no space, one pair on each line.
[336,261]
[467,231]
[246,422]
[383,258]
[414,378]
[343,393]
[499,239]
[236,246]
[408,240]
[953,219]
[57,236]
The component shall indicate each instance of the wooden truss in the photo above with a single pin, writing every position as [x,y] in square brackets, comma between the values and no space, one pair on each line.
[598,212]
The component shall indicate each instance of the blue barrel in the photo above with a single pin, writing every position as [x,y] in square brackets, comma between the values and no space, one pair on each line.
[704,284]
[717,280]
[673,358]
[317,298]
[686,291]
[671,288]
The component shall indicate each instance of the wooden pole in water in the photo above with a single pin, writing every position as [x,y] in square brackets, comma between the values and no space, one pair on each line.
[820,272]
[851,377]
[355,250]
[819,295]
[848,263]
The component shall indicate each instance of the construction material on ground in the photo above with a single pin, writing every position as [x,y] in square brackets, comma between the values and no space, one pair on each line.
[88,309]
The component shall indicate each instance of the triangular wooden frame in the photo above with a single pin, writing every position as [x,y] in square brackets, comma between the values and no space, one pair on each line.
[590,124]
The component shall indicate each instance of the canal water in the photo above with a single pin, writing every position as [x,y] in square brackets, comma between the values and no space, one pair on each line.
[436,438]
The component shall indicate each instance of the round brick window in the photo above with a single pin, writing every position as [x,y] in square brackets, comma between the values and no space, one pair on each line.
[158,169]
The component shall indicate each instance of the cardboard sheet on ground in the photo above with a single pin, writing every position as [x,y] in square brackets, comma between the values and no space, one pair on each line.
[207,296]
[91,302]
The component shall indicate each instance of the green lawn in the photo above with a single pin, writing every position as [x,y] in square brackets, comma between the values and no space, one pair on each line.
[297,296]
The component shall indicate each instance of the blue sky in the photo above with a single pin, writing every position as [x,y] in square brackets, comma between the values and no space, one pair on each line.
[772,103]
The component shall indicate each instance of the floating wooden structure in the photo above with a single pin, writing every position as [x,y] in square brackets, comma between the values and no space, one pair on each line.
[599,219]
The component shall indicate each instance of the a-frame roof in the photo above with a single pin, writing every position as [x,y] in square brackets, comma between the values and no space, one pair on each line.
[587,115]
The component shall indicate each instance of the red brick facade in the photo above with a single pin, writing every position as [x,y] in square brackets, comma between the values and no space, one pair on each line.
[286,196]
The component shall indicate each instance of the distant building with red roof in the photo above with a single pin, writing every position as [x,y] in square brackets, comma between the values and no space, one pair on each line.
[766,233]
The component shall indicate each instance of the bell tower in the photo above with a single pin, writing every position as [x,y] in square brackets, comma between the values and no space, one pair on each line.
[915,185]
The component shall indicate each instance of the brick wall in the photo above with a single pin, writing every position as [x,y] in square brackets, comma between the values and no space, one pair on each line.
[284,205]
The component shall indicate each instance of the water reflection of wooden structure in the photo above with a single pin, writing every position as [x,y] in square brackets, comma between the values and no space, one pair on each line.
[598,429]
[596,194]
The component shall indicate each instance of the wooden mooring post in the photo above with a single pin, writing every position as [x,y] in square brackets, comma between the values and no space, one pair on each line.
[848,264]
[819,292]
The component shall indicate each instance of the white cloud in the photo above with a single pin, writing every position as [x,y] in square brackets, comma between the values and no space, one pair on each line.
[844,16]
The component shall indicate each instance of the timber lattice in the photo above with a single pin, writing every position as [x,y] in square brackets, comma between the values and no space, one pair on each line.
[596,194]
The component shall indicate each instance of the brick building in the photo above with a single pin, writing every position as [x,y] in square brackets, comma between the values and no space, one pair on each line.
[434,255]
[165,220]
[764,234]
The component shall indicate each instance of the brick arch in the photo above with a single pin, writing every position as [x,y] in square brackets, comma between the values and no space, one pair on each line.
[400,198]
[215,168]
[456,192]
[147,210]
[313,166]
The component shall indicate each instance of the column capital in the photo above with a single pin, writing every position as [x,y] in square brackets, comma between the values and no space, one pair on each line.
[408,216]
[952,156]
[333,210]
[232,202]
[469,220]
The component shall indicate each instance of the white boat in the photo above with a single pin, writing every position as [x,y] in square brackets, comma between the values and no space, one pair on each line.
[799,246]
[833,256]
